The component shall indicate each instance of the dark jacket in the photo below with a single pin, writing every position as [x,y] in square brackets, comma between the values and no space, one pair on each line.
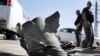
[78,19]
[89,15]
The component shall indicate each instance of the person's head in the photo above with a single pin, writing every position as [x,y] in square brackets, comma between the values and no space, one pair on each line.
[89,4]
[53,22]
[77,12]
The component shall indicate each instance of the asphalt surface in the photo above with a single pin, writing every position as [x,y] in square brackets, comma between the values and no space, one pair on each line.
[85,52]
[11,48]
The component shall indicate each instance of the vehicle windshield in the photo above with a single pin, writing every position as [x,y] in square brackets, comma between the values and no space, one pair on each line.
[3,2]
[68,30]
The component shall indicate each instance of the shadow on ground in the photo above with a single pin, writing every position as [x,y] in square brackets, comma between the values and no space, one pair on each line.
[9,54]
[89,51]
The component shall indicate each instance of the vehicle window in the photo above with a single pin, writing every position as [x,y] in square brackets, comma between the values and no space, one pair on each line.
[63,30]
[68,30]
[3,2]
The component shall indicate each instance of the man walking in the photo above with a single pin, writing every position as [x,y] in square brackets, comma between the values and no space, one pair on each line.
[87,24]
[78,24]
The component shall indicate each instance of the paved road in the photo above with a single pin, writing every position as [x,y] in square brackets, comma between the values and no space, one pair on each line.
[11,48]
[86,52]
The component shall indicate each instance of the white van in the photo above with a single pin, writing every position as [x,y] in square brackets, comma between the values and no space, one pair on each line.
[12,16]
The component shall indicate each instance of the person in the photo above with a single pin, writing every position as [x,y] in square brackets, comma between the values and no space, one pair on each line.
[78,24]
[88,19]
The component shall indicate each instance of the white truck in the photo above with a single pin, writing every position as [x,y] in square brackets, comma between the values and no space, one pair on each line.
[12,16]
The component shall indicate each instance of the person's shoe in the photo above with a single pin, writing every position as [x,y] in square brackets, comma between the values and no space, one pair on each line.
[84,46]
[78,45]
[91,47]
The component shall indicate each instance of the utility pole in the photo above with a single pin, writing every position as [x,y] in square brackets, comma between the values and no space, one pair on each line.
[96,20]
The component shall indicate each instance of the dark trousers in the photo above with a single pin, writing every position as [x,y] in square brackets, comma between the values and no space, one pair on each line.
[78,35]
[89,39]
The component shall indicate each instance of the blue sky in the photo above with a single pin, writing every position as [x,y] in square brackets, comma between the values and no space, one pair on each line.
[44,8]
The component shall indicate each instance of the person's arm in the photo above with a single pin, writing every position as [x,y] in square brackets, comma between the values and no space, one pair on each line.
[78,21]
[77,26]
[85,19]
